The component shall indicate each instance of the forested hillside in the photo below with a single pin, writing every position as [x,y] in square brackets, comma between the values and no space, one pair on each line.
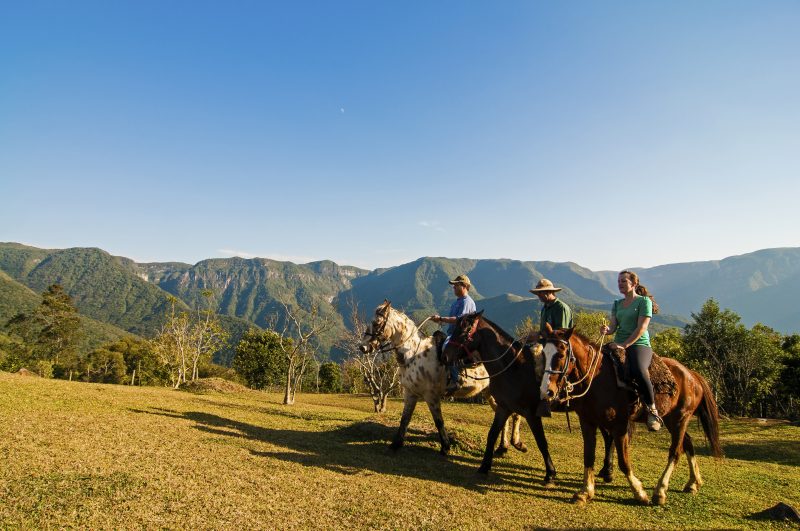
[135,297]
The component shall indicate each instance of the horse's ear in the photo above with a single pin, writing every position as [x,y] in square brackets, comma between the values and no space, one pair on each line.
[568,332]
[386,304]
[548,329]
[478,314]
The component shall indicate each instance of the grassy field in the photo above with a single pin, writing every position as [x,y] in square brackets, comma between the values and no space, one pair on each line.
[102,456]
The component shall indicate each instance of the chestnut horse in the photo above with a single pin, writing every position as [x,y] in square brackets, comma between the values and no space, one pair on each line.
[573,365]
[513,383]
[423,376]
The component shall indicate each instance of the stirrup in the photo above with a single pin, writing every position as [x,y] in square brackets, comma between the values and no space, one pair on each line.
[654,421]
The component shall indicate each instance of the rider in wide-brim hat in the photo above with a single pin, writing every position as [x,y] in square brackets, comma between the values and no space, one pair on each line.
[554,311]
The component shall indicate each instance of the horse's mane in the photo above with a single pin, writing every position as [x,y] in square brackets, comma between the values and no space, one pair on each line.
[405,317]
[499,330]
[585,339]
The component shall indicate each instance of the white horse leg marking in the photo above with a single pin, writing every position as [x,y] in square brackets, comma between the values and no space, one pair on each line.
[638,490]
[587,493]
[695,481]
[660,493]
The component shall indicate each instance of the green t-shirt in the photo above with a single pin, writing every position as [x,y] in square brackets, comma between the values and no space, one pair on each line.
[557,314]
[628,319]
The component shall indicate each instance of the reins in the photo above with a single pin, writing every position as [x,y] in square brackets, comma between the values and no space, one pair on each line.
[570,386]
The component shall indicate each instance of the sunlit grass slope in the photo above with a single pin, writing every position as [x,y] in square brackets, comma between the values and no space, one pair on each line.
[100,456]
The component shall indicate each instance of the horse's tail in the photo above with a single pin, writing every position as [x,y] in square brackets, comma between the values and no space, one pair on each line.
[709,416]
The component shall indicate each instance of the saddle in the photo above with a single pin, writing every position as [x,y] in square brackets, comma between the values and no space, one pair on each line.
[660,375]
[464,362]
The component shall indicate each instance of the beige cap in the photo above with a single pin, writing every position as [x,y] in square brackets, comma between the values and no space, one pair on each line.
[461,279]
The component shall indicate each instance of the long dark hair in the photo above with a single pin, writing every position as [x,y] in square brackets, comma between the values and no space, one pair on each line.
[640,289]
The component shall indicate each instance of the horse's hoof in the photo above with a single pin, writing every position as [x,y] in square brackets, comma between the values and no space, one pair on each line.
[500,452]
[659,499]
[395,446]
[521,447]
[483,470]
[580,498]
[644,500]
[606,476]
[691,488]
[549,484]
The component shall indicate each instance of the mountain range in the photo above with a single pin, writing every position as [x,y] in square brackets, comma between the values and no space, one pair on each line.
[117,295]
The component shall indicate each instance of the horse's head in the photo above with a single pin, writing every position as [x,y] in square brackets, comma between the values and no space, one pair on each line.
[463,341]
[559,361]
[377,332]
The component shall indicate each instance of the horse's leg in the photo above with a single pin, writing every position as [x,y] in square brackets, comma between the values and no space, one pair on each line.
[502,448]
[677,429]
[589,436]
[607,472]
[535,422]
[500,417]
[622,442]
[516,440]
[695,481]
[435,406]
[409,403]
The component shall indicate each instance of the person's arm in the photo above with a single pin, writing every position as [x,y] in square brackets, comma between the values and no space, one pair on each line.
[611,327]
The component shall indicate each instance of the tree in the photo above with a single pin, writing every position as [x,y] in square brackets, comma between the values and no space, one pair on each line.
[304,330]
[330,378]
[141,361]
[669,343]
[588,324]
[741,365]
[51,331]
[378,369]
[105,366]
[787,390]
[182,344]
[260,360]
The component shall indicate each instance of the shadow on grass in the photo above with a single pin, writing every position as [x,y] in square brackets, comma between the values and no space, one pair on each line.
[769,450]
[360,448]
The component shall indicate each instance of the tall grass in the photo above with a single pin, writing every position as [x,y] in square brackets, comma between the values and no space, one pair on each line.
[101,456]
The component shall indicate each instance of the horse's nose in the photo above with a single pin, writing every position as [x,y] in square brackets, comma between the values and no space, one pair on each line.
[363,349]
[550,393]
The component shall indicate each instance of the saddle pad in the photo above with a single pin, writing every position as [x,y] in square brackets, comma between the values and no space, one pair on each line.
[660,375]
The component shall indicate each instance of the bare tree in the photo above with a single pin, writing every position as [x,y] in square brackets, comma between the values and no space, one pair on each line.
[379,369]
[301,351]
[182,344]
[207,336]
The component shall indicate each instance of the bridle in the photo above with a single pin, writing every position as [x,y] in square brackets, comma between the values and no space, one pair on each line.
[386,345]
[464,346]
[563,385]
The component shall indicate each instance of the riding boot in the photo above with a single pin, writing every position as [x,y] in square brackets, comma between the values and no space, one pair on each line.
[654,422]
[454,380]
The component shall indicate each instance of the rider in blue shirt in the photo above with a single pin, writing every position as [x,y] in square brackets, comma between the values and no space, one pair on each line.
[462,306]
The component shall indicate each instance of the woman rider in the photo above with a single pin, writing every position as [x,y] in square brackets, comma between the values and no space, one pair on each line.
[630,317]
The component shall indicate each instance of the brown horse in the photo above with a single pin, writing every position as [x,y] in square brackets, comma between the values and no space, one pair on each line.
[574,365]
[513,383]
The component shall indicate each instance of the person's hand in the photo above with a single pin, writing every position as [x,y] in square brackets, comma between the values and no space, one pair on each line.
[436,318]
[615,346]
[605,329]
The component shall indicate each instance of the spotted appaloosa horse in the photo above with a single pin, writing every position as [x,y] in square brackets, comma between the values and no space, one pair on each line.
[422,375]
[569,357]
[514,383]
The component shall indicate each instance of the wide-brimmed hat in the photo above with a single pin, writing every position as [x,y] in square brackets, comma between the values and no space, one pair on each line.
[543,286]
[461,279]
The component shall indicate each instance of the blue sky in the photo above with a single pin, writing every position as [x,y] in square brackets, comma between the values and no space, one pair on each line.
[611,134]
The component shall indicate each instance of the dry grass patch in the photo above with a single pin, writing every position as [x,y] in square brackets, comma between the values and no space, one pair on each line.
[99,456]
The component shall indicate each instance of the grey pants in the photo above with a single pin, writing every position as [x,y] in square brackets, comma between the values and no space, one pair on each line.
[638,359]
